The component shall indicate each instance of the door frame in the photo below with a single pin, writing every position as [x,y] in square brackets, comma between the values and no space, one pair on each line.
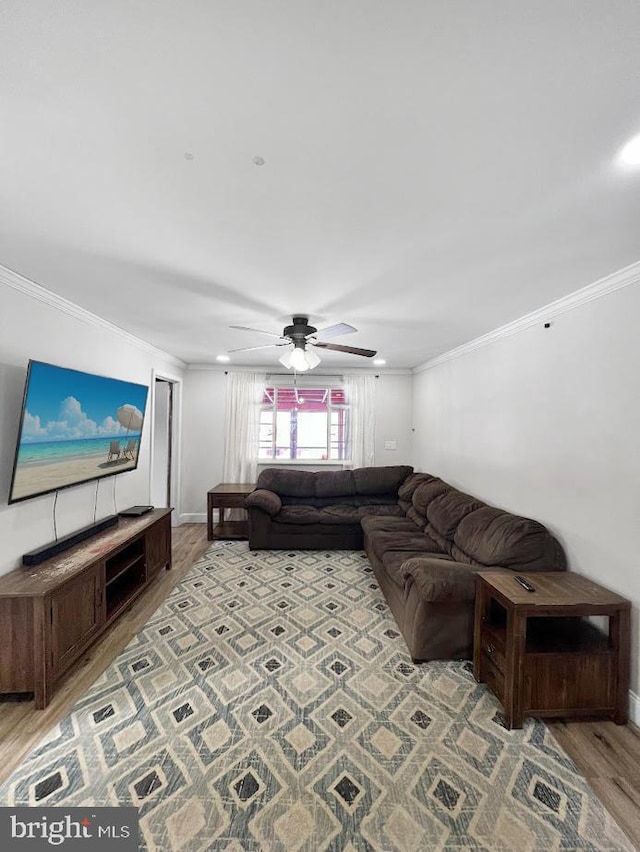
[176,424]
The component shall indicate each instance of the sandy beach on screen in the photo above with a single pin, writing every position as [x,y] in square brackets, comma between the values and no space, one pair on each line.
[33,479]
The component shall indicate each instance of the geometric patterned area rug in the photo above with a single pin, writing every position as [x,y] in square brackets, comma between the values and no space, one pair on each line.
[271,704]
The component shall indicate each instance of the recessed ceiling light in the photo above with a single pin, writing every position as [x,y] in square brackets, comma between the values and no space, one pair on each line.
[258,161]
[379,362]
[630,154]
[222,358]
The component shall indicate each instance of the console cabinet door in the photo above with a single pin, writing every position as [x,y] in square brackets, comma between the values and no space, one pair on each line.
[158,545]
[76,614]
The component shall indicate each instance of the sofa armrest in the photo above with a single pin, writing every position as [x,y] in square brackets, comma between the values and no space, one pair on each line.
[263,499]
[441,579]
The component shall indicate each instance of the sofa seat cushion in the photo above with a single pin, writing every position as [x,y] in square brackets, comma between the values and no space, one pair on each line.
[387,522]
[299,515]
[393,561]
[303,532]
[380,541]
[440,580]
[380,511]
[339,515]
[375,500]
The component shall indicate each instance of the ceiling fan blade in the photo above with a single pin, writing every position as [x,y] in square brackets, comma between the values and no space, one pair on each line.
[335,330]
[352,350]
[255,330]
[251,348]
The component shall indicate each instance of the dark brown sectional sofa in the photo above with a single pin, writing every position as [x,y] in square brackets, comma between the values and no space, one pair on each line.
[426,561]
[305,510]
[425,540]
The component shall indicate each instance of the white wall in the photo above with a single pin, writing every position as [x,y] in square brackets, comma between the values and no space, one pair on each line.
[546,423]
[393,418]
[35,324]
[203,413]
[204,396]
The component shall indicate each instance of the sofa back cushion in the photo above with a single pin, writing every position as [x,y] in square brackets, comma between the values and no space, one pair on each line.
[380,480]
[491,536]
[361,487]
[408,487]
[287,483]
[334,483]
[426,492]
[445,512]
[419,520]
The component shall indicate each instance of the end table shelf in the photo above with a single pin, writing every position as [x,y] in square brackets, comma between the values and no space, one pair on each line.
[541,656]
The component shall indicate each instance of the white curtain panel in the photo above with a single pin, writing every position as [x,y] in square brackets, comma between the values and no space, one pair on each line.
[360,393]
[245,392]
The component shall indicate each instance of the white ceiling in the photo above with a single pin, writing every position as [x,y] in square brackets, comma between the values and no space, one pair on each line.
[434,168]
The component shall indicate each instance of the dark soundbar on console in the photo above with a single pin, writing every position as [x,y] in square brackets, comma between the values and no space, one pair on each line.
[35,557]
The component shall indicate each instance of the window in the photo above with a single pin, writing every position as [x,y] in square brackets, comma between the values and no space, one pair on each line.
[303,423]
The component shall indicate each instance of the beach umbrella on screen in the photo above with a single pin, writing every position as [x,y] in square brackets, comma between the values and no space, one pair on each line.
[130,417]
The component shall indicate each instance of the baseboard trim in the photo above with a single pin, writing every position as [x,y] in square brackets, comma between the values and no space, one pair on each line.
[193,518]
[634,708]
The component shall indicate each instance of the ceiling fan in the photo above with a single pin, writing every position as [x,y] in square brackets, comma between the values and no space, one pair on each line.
[300,334]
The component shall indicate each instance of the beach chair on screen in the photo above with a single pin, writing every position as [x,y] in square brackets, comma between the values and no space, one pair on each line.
[129,451]
[114,450]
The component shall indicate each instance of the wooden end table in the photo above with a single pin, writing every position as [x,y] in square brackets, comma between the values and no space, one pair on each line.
[227,495]
[539,654]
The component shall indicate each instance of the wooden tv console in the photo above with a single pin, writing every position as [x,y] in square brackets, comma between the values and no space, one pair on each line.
[51,613]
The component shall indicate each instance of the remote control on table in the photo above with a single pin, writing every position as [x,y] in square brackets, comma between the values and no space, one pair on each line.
[525,584]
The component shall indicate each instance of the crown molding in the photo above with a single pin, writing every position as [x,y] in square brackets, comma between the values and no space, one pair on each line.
[35,291]
[616,281]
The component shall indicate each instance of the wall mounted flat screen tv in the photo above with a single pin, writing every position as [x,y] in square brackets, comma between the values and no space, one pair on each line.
[75,427]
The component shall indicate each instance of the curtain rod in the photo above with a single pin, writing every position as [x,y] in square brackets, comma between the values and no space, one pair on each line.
[319,375]
[310,375]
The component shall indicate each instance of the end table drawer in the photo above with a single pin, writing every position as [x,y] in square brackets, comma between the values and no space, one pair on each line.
[492,676]
[492,649]
[227,501]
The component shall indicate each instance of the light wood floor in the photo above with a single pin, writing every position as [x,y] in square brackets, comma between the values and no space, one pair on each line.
[608,755]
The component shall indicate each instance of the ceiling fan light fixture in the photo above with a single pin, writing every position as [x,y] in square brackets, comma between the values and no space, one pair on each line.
[299,360]
[312,359]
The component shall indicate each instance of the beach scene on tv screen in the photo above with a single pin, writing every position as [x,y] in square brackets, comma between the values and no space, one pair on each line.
[75,427]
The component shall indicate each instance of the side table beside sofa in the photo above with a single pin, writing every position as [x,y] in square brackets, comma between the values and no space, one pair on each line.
[541,656]
[227,495]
